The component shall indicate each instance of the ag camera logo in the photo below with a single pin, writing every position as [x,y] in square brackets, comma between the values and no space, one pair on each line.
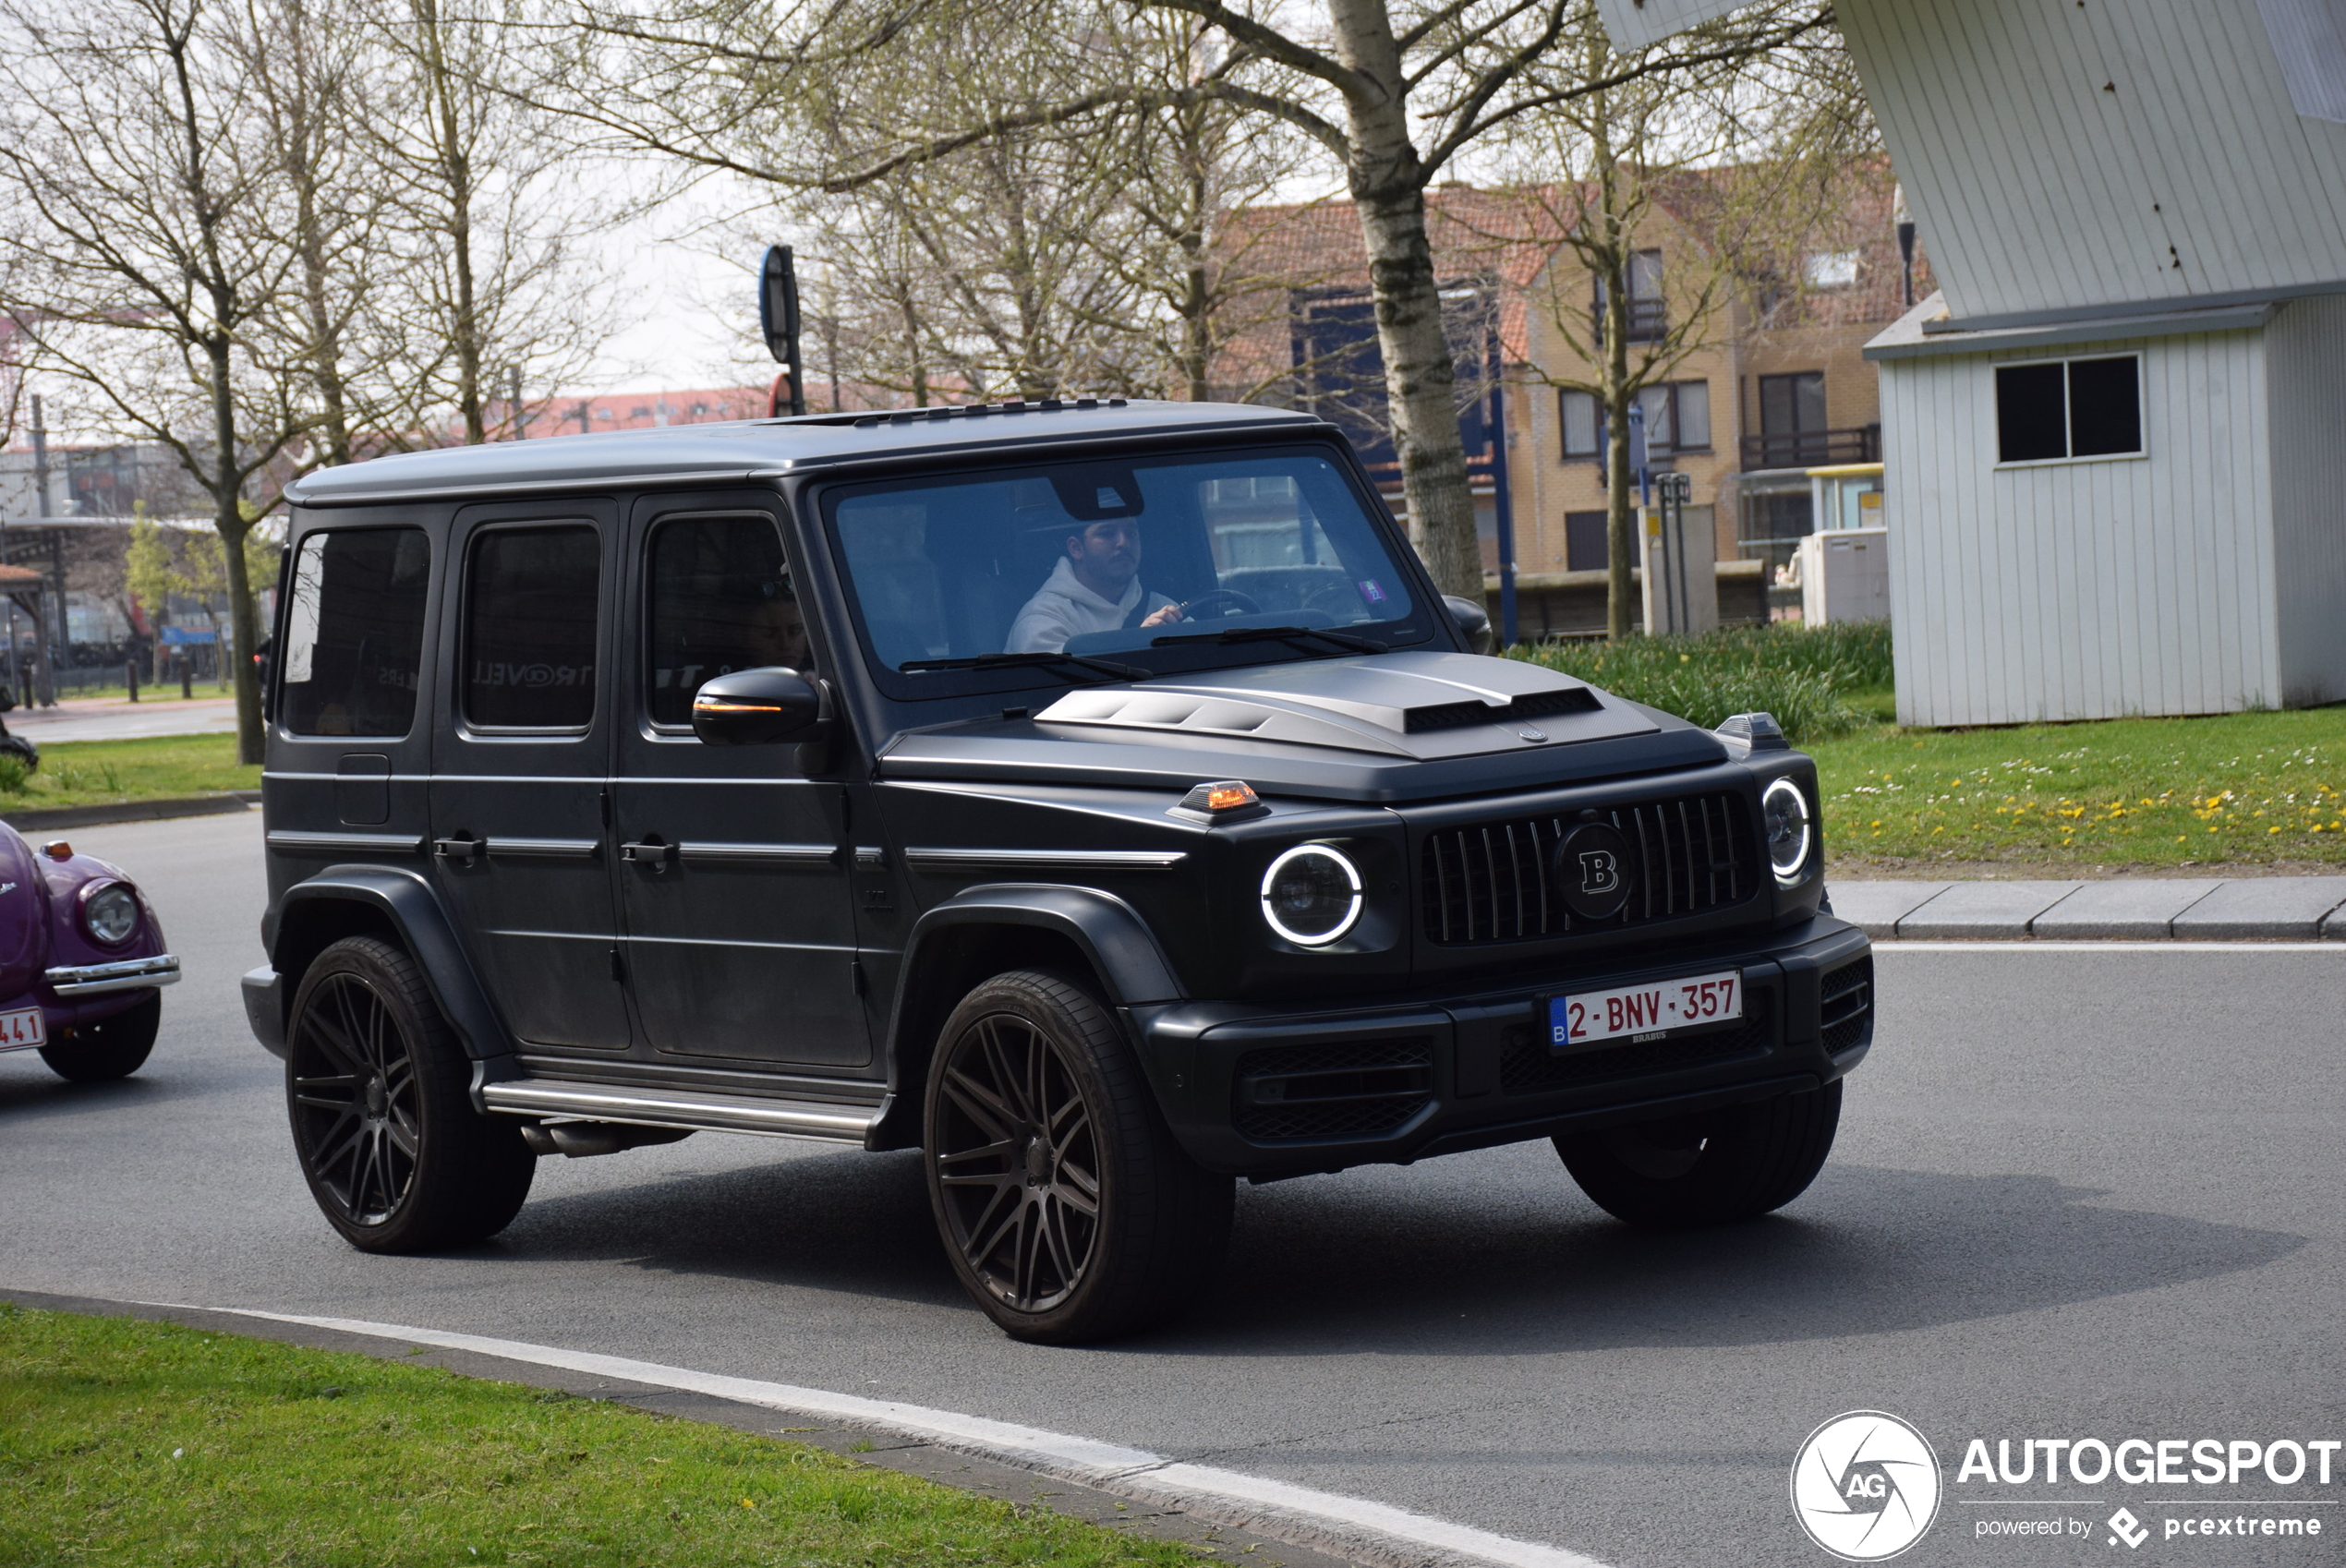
[1865,1486]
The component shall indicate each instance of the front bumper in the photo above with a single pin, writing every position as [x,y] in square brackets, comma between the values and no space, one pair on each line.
[124,974]
[1264,1091]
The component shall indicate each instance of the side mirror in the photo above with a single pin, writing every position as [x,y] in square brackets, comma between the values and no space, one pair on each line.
[1472,619]
[755,708]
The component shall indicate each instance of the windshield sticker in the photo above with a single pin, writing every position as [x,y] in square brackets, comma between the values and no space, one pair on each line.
[1370,592]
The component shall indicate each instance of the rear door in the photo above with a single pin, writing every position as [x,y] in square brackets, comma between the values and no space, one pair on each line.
[740,938]
[521,851]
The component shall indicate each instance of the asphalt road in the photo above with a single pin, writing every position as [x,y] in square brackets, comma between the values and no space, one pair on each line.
[2077,1194]
[123,721]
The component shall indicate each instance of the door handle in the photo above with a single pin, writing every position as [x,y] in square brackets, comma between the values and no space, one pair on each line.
[649,852]
[456,849]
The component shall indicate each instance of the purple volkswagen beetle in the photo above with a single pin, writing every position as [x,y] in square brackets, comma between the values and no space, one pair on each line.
[81,957]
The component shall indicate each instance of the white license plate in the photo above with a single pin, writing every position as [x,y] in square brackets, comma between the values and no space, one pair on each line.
[22,1028]
[1644,1011]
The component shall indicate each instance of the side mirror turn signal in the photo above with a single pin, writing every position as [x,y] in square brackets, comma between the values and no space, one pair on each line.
[752,707]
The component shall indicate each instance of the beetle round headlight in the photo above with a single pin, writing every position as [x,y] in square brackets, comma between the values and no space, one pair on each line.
[1786,820]
[1312,895]
[110,912]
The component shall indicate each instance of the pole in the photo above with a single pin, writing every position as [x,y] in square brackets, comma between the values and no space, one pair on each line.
[1503,502]
[40,462]
[521,414]
[778,321]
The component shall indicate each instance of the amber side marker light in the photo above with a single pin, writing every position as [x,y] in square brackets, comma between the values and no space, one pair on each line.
[1224,800]
[57,850]
[704,704]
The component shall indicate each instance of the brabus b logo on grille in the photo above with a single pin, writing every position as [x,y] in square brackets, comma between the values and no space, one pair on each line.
[1591,870]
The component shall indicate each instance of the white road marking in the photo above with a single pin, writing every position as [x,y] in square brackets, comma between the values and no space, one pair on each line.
[1310,1517]
[2141,945]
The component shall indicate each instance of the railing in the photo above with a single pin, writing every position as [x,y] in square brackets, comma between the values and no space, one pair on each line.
[1648,320]
[1812,449]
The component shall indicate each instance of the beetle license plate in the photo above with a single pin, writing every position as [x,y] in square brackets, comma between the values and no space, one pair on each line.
[1644,1012]
[22,1028]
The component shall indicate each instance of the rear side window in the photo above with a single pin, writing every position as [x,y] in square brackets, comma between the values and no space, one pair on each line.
[530,629]
[355,631]
[721,600]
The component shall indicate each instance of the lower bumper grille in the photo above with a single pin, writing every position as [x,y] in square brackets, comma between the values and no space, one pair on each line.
[1343,1090]
[1526,1066]
[1846,1012]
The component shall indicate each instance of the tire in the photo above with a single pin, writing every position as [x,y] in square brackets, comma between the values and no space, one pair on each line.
[114,1046]
[1106,1228]
[378,1093]
[1713,1169]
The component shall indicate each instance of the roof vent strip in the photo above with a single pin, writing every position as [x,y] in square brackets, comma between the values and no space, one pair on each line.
[978,410]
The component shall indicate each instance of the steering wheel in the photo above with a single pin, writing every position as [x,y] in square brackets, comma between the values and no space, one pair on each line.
[1335,601]
[1239,604]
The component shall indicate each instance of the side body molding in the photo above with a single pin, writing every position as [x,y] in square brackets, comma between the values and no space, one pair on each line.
[305,922]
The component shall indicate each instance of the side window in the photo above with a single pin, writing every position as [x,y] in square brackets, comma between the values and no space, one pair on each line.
[530,600]
[355,631]
[720,599]
[2050,409]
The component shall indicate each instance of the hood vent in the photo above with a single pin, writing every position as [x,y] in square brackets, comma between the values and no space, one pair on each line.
[1533,705]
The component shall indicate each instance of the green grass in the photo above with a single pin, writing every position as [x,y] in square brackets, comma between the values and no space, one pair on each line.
[2236,788]
[86,772]
[1807,679]
[128,1442]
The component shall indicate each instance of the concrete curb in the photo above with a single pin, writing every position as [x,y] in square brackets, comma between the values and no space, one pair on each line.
[133,811]
[2268,908]
[1278,1525]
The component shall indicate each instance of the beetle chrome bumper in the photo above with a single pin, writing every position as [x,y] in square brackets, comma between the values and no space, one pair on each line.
[126,974]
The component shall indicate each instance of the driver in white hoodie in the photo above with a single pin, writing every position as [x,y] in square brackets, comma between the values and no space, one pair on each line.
[1094,587]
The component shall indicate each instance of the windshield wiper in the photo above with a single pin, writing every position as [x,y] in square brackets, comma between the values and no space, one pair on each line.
[1276,634]
[1014,660]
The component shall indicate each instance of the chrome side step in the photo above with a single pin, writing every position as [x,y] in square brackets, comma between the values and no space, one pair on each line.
[693,1109]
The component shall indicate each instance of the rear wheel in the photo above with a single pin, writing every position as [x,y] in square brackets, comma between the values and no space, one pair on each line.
[1709,1169]
[382,1119]
[114,1046]
[1066,1209]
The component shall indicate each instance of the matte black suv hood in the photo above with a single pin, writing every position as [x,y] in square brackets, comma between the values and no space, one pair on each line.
[1393,725]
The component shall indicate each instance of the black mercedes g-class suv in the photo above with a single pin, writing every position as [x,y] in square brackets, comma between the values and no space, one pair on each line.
[1098,797]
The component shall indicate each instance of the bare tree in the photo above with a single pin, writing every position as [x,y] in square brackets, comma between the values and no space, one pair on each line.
[484,211]
[1392,99]
[140,262]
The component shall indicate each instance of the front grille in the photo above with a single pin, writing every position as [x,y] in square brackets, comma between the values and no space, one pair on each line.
[1527,1066]
[1347,1089]
[1847,1010]
[1493,882]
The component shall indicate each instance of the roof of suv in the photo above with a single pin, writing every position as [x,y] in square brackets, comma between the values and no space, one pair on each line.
[758,448]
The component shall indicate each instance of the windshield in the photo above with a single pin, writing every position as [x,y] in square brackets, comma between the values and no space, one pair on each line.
[1104,560]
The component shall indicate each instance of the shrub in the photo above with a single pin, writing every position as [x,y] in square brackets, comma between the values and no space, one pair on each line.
[1798,674]
[14,775]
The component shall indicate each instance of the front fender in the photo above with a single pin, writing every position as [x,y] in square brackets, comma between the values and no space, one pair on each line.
[947,954]
[320,910]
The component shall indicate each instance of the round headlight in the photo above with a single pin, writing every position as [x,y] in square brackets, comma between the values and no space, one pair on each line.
[1789,825]
[1312,895]
[110,913]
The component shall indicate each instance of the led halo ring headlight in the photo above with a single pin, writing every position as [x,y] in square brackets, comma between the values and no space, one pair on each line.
[1312,895]
[1789,825]
[110,912]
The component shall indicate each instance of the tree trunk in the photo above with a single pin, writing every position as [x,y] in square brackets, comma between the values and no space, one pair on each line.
[1388,185]
[228,519]
[1620,527]
[455,172]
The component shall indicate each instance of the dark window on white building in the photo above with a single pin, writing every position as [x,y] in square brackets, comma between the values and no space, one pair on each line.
[2047,410]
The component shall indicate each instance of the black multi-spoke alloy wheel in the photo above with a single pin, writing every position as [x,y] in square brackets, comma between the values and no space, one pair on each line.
[382,1120]
[116,1046]
[1709,1169]
[1068,1209]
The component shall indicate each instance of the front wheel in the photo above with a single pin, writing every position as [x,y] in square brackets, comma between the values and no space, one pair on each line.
[1066,1209]
[114,1046]
[1709,1169]
[382,1119]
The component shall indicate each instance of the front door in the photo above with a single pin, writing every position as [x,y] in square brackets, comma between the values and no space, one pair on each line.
[521,852]
[740,938]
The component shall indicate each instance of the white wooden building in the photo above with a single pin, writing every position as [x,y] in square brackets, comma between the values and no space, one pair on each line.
[2116,443]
